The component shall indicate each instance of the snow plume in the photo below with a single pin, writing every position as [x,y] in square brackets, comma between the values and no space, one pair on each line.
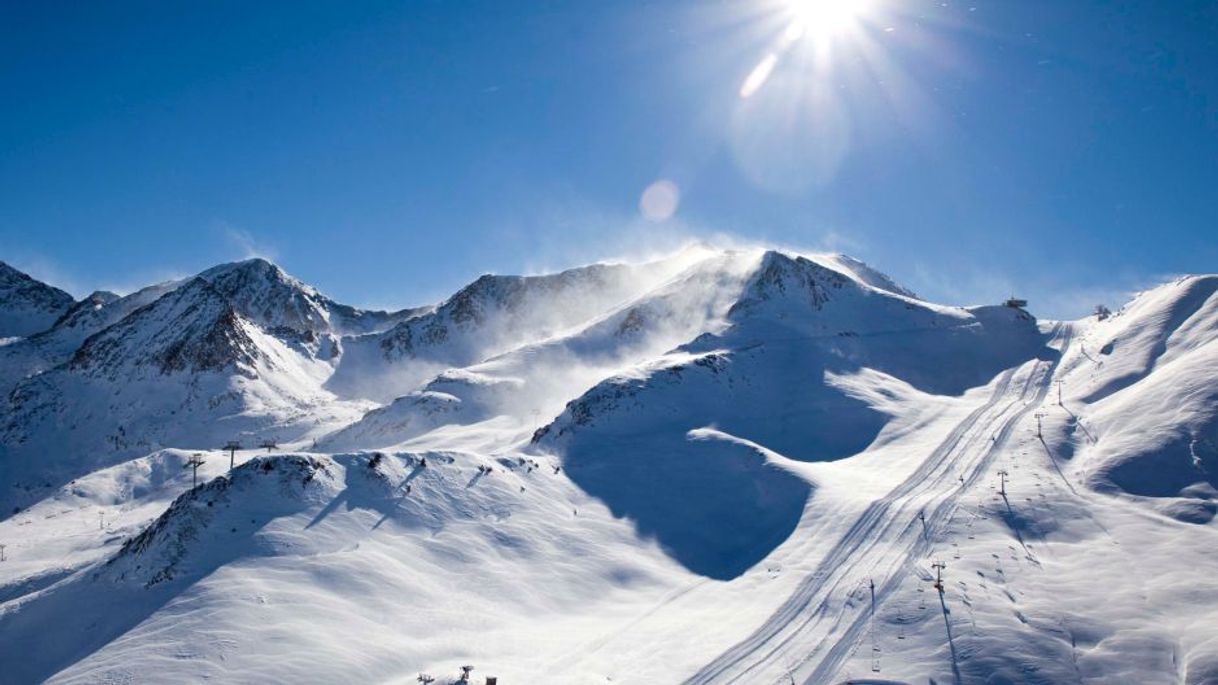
[248,245]
[490,316]
[553,340]
[530,382]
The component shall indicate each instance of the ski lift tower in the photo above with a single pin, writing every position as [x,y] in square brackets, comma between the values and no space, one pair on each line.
[465,671]
[938,566]
[268,445]
[1002,482]
[232,446]
[195,461]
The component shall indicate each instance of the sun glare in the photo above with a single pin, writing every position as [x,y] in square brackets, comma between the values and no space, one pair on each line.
[822,22]
[823,17]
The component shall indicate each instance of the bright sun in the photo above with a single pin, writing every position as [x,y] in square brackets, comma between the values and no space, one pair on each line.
[818,23]
[824,17]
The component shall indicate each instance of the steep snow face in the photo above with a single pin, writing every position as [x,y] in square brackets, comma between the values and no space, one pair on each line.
[100,310]
[490,316]
[865,273]
[1145,401]
[268,296]
[28,306]
[274,300]
[192,329]
[259,291]
[634,442]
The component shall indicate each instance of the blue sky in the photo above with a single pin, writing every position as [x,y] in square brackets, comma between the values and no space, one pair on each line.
[388,152]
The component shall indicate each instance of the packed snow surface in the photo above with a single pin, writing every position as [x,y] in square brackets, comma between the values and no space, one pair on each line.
[722,466]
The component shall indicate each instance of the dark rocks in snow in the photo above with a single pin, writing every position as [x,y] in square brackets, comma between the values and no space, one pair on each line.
[192,329]
[28,305]
[95,300]
[163,550]
[782,275]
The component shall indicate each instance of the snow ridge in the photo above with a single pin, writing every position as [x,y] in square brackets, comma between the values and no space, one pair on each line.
[27,305]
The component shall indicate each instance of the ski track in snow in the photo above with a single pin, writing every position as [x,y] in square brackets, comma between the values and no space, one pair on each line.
[793,619]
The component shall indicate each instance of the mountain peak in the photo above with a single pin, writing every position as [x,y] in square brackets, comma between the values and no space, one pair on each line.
[266,294]
[251,270]
[263,292]
[780,274]
[868,274]
[193,328]
[27,305]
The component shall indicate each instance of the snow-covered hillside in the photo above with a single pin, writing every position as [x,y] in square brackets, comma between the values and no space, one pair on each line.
[724,466]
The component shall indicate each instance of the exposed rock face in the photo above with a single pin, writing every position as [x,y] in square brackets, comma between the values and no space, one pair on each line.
[193,329]
[265,294]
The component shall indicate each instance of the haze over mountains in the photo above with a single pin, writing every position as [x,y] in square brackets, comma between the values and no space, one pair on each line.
[718,466]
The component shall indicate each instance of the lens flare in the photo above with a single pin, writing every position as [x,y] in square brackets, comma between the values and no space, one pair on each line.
[660,200]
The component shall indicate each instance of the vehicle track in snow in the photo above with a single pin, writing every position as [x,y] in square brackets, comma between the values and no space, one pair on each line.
[802,611]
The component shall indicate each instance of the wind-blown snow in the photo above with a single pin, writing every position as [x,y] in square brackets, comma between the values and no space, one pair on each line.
[720,467]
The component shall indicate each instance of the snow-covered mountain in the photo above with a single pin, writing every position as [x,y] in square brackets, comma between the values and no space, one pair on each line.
[55,345]
[28,305]
[772,378]
[239,351]
[267,295]
[532,380]
[492,315]
[724,466]
[187,370]
[260,291]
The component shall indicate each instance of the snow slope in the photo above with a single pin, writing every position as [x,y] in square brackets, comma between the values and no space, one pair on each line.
[725,467]
[763,381]
[1146,401]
